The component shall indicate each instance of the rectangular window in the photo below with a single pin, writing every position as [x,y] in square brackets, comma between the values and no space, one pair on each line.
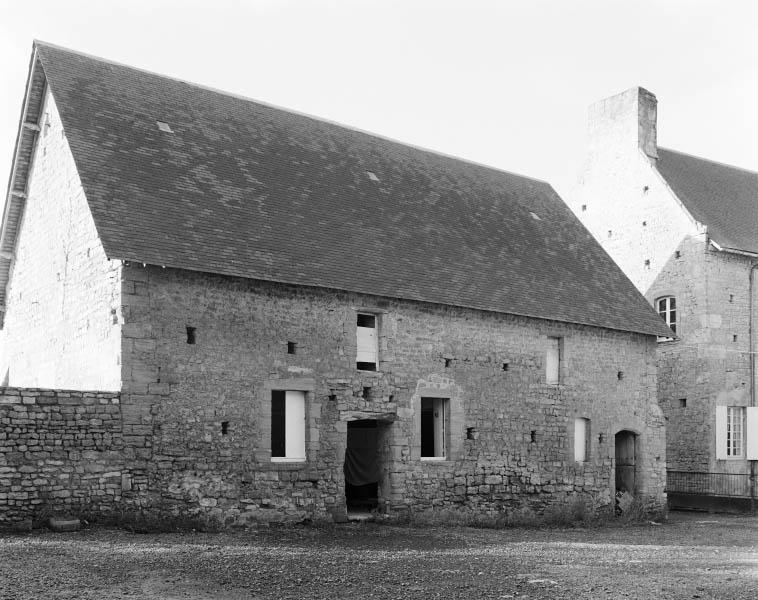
[553,360]
[730,432]
[367,340]
[434,426]
[581,439]
[666,308]
[287,426]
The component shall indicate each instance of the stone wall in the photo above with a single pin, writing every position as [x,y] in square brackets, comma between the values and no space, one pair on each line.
[62,327]
[197,415]
[60,451]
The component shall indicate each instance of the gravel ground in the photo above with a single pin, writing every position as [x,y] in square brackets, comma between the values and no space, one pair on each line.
[691,556]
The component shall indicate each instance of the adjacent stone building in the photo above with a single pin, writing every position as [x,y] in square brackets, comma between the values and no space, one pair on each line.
[297,320]
[685,231]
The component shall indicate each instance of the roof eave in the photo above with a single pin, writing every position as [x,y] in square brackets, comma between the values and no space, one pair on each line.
[721,248]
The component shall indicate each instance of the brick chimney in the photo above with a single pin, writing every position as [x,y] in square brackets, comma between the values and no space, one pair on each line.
[624,121]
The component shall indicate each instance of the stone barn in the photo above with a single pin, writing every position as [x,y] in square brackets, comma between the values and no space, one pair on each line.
[285,318]
[685,231]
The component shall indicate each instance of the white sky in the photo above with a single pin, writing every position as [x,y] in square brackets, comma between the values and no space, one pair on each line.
[500,82]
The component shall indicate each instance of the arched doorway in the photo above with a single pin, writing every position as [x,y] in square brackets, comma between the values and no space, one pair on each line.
[626,461]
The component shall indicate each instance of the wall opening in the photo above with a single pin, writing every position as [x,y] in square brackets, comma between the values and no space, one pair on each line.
[626,462]
[190,335]
[291,348]
[364,460]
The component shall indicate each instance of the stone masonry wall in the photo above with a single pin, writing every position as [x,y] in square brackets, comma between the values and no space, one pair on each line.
[62,325]
[197,415]
[60,451]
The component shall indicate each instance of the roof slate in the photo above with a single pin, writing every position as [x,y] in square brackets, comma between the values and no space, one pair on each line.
[244,189]
[722,197]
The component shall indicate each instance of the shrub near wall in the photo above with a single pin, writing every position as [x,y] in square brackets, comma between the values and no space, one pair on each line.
[59,451]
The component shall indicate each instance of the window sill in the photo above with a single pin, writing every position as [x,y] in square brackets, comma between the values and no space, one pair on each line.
[436,460]
[282,460]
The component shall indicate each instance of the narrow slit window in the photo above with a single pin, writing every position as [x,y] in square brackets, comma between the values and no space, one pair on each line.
[191,335]
[553,360]
[367,355]
[581,439]
[434,428]
[287,426]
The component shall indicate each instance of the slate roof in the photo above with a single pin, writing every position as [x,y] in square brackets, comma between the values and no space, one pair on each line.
[245,189]
[721,197]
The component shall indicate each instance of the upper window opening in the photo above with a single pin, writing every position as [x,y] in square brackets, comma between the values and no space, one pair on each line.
[553,360]
[165,127]
[367,355]
[666,308]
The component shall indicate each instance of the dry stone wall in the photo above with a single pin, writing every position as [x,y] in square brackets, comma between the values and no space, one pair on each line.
[60,451]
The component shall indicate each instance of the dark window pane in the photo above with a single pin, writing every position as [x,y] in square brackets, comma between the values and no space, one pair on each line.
[366,321]
[278,427]
[672,303]
[366,366]
[427,427]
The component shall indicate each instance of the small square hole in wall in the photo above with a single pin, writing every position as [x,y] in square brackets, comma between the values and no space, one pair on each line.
[677,254]
[620,375]
[644,223]
[533,436]
[471,433]
[645,189]
[731,297]
[392,397]
[332,397]
[734,337]
[610,233]
[224,427]
[366,393]
[584,207]
[291,348]
[191,335]
[682,402]
[506,366]
[647,263]
[600,438]
[447,363]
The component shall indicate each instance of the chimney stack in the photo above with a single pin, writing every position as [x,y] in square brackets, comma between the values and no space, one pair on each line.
[623,122]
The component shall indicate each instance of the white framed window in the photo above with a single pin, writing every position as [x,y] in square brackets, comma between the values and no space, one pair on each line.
[367,340]
[730,432]
[581,439]
[553,359]
[287,426]
[666,308]
[434,428]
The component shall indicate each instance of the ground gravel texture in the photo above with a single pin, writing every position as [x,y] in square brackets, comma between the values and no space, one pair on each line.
[691,556]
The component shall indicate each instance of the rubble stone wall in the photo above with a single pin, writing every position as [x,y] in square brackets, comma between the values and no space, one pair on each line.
[60,451]
[198,415]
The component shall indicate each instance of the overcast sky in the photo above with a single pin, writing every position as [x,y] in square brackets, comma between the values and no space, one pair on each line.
[500,82]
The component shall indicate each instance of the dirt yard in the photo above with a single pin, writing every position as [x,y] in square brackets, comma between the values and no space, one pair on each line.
[691,556]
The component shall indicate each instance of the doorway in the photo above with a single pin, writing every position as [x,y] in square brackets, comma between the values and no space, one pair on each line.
[626,467]
[362,466]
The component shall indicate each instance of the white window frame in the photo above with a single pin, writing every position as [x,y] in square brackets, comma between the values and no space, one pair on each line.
[294,426]
[367,341]
[553,360]
[441,414]
[667,312]
[581,439]
[731,432]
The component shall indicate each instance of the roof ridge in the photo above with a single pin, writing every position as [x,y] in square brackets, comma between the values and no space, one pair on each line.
[710,160]
[293,111]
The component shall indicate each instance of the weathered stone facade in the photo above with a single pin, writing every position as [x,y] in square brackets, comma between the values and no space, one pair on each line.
[59,451]
[636,216]
[511,434]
